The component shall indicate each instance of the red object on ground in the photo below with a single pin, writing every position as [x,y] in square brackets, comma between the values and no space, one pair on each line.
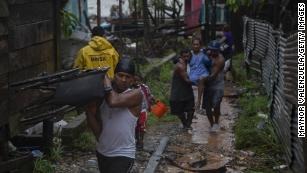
[159,109]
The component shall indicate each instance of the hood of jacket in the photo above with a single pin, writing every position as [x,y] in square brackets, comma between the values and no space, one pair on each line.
[99,43]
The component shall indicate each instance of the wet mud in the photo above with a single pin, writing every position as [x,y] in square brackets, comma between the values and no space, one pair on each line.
[196,150]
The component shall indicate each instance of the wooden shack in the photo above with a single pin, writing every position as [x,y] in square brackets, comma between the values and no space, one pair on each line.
[29,37]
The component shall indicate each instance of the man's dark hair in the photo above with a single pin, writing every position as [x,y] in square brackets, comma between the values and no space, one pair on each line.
[196,38]
[98,31]
[125,65]
[185,50]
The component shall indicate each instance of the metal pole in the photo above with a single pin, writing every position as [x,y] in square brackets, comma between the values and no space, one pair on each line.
[47,134]
[120,23]
[98,12]
[137,27]
[207,26]
[79,11]
[213,22]
[4,142]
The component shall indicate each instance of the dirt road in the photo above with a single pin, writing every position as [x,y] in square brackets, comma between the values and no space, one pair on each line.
[196,149]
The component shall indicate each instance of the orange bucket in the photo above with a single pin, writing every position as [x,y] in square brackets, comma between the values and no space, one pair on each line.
[159,109]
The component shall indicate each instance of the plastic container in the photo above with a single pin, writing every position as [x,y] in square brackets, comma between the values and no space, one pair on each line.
[159,109]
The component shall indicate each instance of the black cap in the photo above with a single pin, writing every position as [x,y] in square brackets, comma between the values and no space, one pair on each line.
[98,31]
[214,45]
[125,65]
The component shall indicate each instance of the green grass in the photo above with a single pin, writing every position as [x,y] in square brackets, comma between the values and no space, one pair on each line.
[159,82]
[85,142]
[42,165]
[253,104]
[262,140]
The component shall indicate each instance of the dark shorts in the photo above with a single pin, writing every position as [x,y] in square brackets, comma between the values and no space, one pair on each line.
[212,98]
[178,107]
[114,164]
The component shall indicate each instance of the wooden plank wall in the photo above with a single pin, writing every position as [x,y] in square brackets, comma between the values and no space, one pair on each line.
[30,38]
[27,47]
[4,13]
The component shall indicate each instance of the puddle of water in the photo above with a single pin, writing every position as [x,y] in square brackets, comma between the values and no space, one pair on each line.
[222,140]
[200,131]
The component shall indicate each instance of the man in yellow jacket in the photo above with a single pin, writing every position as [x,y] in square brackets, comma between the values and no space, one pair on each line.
[98,53]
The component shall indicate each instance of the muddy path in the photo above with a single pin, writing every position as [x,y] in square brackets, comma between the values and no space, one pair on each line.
[196,149]
[186,151]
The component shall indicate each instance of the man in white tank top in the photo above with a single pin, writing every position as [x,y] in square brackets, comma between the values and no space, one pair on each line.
[113,120]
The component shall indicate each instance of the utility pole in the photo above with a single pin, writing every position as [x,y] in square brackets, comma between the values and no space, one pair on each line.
[213,20]
[146,21]
[98,12]
[120,23]
[202,21]
[137,26]
[207,19]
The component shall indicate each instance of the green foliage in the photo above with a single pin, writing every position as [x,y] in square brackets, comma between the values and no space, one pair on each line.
[248,135]
[159,82]
[239,73]
[238,67]
[85,142]
[234,5]
[69,23]
[57,148]
[166,118]
[56,153]
[43,166]
[252,104]
[260,140]
[158,4]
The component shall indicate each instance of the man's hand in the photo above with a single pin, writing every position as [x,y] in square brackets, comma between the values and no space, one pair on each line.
[107,81]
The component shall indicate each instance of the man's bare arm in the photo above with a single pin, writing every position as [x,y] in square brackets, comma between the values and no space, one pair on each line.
[92,109]
[217,67]
[182,72]
[127,99]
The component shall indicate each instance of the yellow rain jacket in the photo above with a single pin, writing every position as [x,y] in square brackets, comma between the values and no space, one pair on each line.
[98,53]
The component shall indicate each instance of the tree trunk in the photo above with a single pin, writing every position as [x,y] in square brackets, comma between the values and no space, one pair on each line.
[146,21]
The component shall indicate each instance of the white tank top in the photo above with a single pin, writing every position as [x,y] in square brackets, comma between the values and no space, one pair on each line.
[118,132]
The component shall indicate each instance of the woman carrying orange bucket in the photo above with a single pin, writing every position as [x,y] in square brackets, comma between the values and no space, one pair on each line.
[182,97]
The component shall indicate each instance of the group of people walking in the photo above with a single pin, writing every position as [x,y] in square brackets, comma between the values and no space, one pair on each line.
[203,68]
[119,119]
